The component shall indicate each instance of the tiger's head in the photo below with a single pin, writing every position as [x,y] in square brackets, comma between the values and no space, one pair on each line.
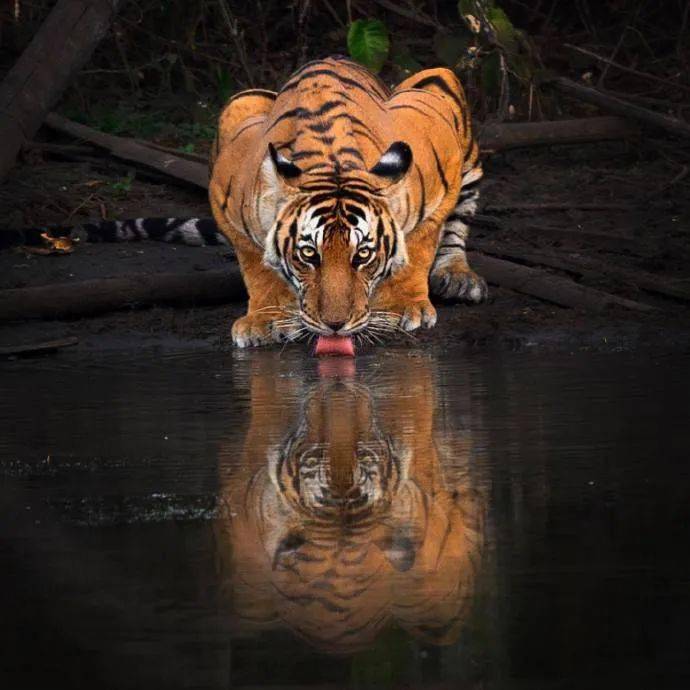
[332,234]
[337,464]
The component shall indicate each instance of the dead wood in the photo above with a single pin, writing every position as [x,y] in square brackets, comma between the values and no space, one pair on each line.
[37,348]
[172,165]
[82,298]
[494,138]
[637,279]
[623,108]
[624,68]
[195,157]
[59,50]
[545,286]
[59,150]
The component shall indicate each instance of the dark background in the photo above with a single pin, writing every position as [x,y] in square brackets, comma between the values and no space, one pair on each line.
[167,65]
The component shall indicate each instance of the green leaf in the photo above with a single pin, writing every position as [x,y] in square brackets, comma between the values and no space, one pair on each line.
[491,74]
[367,42]
[506,33]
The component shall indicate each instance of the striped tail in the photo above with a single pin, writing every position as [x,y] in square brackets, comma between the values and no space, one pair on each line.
[196,232]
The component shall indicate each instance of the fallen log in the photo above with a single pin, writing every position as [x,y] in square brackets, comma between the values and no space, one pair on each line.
[172,165]
[41,348]
[87,297]
[640,280]
[494,138]
[551,288]
[623,108]
[59,49]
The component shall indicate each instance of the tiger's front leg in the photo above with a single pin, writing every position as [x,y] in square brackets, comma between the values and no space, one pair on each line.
[406,293]
[272,313]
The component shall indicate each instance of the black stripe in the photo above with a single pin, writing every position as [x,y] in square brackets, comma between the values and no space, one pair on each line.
[320,127]
[422,205]
[428,105]
[437,81]
[374,99]
[439,169]
[351,151]
[325,108]
[356,210]
[209,232]
[294,112]
[251,124]
[407,209]
[299,155]
[327,72]
[405,106]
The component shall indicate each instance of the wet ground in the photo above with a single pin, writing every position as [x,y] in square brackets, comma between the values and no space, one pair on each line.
[420,517]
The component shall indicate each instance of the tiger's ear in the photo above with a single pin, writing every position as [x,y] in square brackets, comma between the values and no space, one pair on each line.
[277,175]
[285,168]
[394,163]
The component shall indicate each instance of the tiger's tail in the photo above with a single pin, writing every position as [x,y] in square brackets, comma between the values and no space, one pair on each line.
[196,232]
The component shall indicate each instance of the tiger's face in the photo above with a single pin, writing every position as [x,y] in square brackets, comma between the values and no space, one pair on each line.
[338,465]
[334,239]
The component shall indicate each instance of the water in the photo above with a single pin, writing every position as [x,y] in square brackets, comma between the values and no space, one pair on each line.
[406,520]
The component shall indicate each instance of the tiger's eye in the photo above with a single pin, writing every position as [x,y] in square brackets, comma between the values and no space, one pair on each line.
[363,254]
[307,253]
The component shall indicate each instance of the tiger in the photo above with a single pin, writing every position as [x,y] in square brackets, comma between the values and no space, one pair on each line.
[347,512]
[338,194]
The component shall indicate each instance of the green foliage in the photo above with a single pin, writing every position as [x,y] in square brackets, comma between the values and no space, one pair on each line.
[123,186]
[197,130]
[506,33]
[491,74]
[367,42]
[225,85]
[120,121]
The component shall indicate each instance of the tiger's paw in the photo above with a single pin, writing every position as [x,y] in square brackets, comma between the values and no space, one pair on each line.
[417,315]
[255,329]
[455,280]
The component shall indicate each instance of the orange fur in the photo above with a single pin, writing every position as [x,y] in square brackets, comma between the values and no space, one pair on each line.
[342,144]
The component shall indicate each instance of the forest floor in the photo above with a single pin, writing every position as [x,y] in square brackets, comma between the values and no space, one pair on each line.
[598,214]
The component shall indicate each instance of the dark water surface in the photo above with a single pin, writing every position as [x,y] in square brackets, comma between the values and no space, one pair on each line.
[406,520]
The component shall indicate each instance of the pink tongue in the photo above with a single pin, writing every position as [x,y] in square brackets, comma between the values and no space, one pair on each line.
[335,345]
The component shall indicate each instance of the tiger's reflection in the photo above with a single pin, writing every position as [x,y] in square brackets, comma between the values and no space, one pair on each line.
[347,514]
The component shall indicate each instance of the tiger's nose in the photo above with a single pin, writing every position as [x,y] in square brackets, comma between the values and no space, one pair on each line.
[335,326]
